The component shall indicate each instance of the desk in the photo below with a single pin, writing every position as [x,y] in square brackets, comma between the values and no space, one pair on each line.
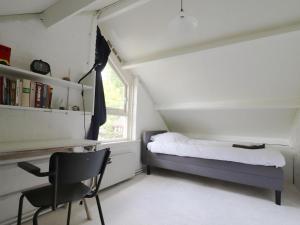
[24,149]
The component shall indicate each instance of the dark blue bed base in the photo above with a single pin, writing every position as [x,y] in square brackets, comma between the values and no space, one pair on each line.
[259,176]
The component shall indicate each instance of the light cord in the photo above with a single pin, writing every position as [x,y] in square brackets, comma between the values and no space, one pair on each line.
[83,105]
[181,9]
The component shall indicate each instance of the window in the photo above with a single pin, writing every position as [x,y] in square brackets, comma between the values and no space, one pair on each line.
[116,95]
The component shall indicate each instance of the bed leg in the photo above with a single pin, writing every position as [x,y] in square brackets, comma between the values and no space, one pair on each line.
[278,197]
[148,170]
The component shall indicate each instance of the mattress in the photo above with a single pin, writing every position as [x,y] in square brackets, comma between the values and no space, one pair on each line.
[270,156]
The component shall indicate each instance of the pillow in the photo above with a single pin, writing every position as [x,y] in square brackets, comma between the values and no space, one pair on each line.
[169,137]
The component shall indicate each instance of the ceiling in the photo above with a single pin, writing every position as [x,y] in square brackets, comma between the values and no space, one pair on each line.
[145,30]
[267,68]
[267,123]
[13,7]
[99,4]
[250,70]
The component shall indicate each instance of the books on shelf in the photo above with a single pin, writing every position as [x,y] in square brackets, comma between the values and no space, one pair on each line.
[24,92]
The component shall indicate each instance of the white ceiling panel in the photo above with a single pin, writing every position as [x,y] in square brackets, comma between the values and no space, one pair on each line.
[267,68]
[145,30]
[255,123]
[100,4]
[12,7]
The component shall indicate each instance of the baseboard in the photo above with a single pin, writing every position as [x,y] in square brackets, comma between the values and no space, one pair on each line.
[25,218]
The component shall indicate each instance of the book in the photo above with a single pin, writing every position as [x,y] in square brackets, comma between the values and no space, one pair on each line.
[18,92]
[50,91]
[26,93]
[38,94]
[4,91]
[12,92]
[1,90]
[32,93]
[7,91]
[44,96]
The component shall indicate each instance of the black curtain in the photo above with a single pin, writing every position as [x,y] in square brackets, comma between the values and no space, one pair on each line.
[101,57]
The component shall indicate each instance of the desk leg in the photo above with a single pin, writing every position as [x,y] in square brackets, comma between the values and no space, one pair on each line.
[88,214]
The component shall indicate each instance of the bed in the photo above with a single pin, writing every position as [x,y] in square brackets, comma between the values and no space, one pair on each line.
[269,177]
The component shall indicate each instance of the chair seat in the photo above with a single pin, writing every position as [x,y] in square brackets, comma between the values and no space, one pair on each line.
[43,196]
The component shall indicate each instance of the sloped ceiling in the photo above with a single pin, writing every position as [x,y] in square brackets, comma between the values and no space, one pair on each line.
[257,124]
[266,68]
[99,4]
[13,7]
[145,30]
[192,91]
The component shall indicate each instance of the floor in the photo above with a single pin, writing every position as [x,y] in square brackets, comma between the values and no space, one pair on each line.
[169,198]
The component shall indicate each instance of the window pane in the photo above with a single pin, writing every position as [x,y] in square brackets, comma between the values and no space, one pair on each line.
[114,128]
[114,88]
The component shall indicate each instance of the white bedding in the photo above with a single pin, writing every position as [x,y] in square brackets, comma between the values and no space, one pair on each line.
[219,151]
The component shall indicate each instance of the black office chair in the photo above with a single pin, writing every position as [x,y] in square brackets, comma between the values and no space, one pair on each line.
[66,173]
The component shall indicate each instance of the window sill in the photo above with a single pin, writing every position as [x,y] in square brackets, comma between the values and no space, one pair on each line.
[117,142]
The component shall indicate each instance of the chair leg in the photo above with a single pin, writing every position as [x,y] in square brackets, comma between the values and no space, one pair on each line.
[100,210]
[35,216]
[87,211]
[148,170]
[278,197]
[20,210]
[69,213]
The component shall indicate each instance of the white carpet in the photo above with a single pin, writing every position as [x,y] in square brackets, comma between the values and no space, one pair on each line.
[168,198]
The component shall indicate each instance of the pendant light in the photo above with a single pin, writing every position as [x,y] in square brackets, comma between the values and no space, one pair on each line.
[183,22]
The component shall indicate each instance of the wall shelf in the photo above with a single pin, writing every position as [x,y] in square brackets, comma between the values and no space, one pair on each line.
[87,86]
[21,73]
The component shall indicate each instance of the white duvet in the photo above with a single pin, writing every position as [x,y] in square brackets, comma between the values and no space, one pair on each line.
[219,151]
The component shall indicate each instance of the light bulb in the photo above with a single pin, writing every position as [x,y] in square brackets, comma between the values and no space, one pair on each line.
[183,23]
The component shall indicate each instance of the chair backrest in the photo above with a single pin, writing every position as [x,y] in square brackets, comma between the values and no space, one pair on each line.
[71,168]
[76,167]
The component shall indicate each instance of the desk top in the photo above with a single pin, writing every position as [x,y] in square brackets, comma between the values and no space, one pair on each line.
[17,149]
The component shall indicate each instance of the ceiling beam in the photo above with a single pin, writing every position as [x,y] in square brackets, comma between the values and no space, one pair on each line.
[243,37]
[289,103]
[62,10]
[119,8]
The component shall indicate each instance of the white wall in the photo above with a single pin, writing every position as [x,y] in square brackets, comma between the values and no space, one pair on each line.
[295,142]
[147,118]
[295,133]
[65,47]
[257,125]
[266,68]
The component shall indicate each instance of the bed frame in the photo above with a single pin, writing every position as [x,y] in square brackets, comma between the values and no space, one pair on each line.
[268,177]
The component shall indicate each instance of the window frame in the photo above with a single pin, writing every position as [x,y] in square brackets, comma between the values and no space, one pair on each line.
[127,111]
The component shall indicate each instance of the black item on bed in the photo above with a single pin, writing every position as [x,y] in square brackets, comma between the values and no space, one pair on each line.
[249,146]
